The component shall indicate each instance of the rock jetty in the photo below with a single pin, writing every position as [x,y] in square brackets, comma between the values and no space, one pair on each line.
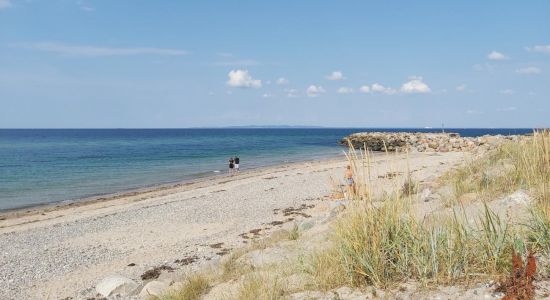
[423,142]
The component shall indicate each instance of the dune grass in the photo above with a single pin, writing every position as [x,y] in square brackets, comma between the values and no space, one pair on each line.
[380,242]
[194,287]
[514,165]
[256,286]
[386,245]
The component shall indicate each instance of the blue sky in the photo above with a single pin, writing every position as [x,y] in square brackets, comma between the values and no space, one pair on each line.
[123,64]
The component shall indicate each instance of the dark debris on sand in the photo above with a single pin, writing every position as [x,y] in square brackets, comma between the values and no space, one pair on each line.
[155,272]
[187,260]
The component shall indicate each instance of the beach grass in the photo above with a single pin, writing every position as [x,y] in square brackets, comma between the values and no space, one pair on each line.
[514,165]
[194,287]
[380,242]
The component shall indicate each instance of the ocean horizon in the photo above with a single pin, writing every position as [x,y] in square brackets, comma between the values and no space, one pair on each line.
[42,166]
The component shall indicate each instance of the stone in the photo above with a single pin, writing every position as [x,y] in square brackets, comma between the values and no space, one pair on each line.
[311,295]
[153,289]
[262,257]
[421,142]
[116,284]
[425,195]
[520,197]
[224,290]
[306,225]
[349,294]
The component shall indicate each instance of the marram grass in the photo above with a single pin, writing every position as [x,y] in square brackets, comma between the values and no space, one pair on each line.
[382,243]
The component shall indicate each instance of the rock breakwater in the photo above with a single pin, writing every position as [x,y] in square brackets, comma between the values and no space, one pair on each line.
[424,142]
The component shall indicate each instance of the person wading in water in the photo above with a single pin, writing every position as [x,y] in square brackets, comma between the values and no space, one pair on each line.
[231,165]
[237,160]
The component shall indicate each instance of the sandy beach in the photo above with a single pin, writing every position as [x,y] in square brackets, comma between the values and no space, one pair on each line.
[64,251]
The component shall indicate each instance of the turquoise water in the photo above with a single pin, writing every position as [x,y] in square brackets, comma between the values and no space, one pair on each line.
[40,166]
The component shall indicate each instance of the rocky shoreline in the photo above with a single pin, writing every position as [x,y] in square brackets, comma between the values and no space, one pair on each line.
[424,142]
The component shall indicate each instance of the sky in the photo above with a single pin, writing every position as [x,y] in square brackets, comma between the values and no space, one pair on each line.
[174,64]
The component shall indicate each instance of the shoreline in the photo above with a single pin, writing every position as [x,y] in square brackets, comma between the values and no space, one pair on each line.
[67,251]
[34,209]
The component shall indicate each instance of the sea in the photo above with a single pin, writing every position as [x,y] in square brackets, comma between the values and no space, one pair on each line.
[42,166]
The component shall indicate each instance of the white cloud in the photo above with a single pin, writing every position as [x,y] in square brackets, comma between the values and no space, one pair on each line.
[267,95]
[291,93]
[507,92]
[539,48]
[336,75]
[315,90]
[282,81]
[509,108]
[5,4]
[364,89]
[98,51]
[494,55]
[529,71]
[241,79]
[345,90]
[378,88]
[415,86]
[461,88]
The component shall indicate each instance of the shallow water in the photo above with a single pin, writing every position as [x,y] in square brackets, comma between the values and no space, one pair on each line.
[40,166]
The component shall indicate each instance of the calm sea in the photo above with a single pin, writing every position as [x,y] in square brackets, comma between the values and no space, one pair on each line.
[40,166]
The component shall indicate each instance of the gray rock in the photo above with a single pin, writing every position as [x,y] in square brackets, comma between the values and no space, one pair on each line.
[306,225]
[519,197]
[153,288]
[262,257]
[116,284]
[420,142]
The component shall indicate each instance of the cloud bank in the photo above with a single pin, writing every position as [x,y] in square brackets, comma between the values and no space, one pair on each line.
[529,71]
[540,48]
[5,4]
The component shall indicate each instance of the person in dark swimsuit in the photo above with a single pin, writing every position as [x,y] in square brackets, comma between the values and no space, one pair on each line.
[237,160]
[231,165]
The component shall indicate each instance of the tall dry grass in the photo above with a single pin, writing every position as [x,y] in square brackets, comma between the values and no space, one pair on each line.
[386,244]
[524,164]
[381,242]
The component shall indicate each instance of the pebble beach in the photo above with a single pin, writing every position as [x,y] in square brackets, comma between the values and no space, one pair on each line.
[60,252]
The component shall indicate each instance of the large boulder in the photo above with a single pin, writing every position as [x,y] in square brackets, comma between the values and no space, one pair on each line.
[153,289]
[263,257]
[116,285]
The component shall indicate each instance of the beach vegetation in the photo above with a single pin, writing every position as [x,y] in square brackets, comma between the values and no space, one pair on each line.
[194,287]
[381,242]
